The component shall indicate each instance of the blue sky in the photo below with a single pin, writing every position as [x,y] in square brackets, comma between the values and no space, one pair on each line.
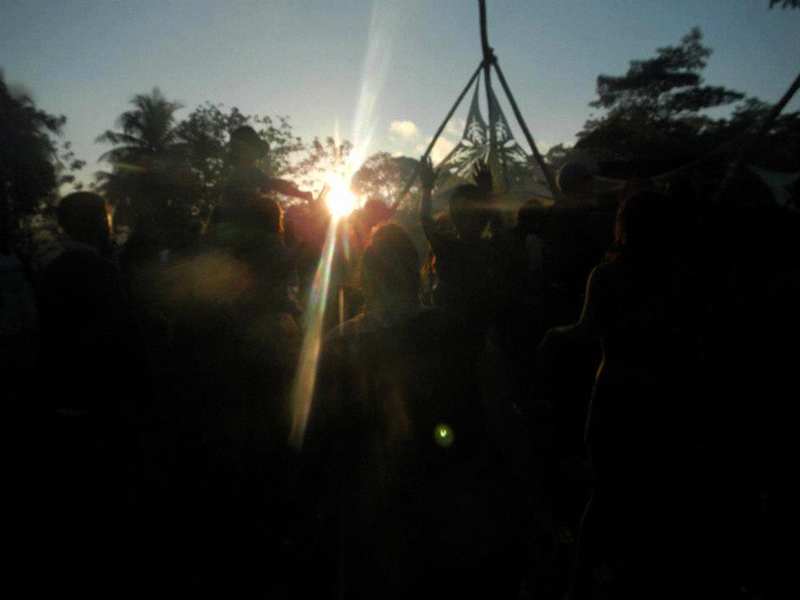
[382,73]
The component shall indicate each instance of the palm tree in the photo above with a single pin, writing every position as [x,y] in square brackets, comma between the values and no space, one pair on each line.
[149,176]
[148,131]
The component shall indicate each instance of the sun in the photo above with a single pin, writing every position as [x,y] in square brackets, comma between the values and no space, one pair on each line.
[339,198]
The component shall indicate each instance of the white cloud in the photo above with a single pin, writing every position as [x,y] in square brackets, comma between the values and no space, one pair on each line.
[455,126]
[405,130]
[542,145]
[440,149]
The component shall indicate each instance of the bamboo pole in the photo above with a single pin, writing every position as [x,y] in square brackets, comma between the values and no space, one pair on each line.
[742,138]
[437,134]
[763,128]
[488,58]
[548,175]
[484,36]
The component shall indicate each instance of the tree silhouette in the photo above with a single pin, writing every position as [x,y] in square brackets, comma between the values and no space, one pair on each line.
[147,131]
[383,176]
[28,158]
[320,159]
[150,181]
[204,135]
[657,107]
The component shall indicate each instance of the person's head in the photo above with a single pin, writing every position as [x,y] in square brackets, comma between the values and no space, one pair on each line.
[376,212]
[576,178]
[246,146]
[528,217]
[390,268]
[84,216]
[262,218]
[469,210]
[647,227]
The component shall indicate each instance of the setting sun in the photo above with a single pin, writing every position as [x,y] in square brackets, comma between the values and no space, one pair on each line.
[339,198]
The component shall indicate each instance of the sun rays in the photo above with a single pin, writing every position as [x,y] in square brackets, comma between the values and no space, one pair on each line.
[341,202]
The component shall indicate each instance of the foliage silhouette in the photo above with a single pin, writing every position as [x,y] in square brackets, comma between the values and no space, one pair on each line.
[383,176]
[658,108]
[204,134]
[29,153]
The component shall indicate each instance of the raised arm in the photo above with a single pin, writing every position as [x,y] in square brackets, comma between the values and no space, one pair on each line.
[286,188]
[427,179]
[483,179]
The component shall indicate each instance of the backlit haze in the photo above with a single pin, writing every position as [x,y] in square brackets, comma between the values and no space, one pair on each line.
[383,74]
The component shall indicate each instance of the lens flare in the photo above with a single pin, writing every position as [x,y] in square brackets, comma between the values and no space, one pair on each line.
[387,17]
[443,435]
[306,377]
[340,200]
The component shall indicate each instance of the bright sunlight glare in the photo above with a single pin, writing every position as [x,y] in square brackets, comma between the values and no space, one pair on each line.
[340,200]
[306,376]
[386,17]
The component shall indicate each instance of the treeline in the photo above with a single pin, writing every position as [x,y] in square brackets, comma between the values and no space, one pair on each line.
[658,116]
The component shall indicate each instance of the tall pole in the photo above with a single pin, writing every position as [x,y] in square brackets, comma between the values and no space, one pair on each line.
[762,130]
[437,134]
[488,58]
[548,175]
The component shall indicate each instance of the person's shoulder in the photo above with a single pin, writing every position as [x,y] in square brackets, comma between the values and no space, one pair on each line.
[606,273]
[436,327]
[347,330]
[246,177]
[78,258]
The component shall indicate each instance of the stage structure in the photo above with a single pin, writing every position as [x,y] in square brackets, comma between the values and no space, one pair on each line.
[492,141]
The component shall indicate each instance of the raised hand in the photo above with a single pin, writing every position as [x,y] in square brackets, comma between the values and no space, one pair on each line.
[483,177]
[427,174]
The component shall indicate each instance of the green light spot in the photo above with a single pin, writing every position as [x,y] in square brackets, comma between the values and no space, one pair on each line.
[443,435]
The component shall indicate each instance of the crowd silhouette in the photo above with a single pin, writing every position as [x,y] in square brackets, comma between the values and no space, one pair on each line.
[592,401]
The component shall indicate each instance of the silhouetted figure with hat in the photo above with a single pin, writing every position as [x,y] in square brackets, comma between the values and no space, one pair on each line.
[247,183]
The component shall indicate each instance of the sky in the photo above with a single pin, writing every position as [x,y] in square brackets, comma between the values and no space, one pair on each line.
[380,73]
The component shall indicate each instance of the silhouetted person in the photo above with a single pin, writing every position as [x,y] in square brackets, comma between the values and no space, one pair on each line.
[362,221]
[470,269]
[234,346]
[638,526]
[573,245]
[753,268]
[92,374]
[414,442]
[570,248]
[18,325]
[247,183]
[250,225]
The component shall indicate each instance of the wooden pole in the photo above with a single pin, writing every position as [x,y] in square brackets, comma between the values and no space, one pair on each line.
[437,134]
[548,175]
[765,125]
[488,58]
[484,36]
[669,175]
